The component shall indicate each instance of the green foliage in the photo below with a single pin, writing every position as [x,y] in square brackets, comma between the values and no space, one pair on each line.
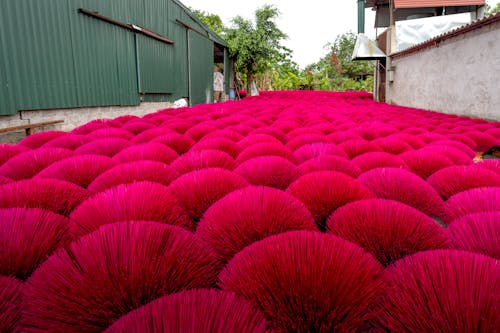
[285,74]
[256,45]
[213,21]
[285,80]
[336,70]
[492,10]
[343,48]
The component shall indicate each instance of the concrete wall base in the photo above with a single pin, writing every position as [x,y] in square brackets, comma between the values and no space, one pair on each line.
[72,117]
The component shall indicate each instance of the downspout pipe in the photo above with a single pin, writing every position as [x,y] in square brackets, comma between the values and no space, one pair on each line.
[361,16]
[190,82]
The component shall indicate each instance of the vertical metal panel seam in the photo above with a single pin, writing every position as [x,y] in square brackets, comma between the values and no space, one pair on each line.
[190,88]
[72,48]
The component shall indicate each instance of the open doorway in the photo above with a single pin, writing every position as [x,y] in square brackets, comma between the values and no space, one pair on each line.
[221,78]
[219,91]
[225,64]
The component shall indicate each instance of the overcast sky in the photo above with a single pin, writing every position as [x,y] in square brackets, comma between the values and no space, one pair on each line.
[310,25]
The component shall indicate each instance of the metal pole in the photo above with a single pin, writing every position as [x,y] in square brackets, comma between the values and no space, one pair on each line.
[391,48]
[392,23]
[361,16]
[138,64]
[189,66]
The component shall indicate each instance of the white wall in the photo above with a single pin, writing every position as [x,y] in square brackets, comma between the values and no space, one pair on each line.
[460,76]
[72,117]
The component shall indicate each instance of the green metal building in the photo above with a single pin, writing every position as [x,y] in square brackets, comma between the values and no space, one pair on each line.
[58,54]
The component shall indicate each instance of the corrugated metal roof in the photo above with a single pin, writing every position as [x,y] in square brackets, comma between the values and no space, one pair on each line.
[434,42]
[424,3]
[211,34]
[436,3]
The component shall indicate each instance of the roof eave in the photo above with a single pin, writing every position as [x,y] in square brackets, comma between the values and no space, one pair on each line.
[211,34]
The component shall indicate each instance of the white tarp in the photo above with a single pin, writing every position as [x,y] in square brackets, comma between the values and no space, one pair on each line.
[412,32]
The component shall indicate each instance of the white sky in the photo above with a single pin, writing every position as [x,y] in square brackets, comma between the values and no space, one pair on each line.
[310,25]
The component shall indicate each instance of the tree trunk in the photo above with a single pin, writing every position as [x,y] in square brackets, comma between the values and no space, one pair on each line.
[249,83]
[265,82]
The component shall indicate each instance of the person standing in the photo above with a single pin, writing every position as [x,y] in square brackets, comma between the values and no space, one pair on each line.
[218,84]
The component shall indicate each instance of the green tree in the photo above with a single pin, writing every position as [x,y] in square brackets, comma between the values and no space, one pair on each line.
[256,45]
[336,70]
[491,10]
[285,75]
[342,48]
[213,21]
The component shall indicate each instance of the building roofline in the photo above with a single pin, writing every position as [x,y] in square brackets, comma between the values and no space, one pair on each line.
[402,4]
[434,42]
[210,33]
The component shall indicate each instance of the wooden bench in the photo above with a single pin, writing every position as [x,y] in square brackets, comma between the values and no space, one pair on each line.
[30,128]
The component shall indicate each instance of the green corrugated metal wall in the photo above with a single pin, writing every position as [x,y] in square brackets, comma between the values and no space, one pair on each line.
[156,66]
[201,69]
[51,56]
[103,57]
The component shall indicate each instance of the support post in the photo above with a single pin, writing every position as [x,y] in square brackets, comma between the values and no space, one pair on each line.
[189,67]
[361,16]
